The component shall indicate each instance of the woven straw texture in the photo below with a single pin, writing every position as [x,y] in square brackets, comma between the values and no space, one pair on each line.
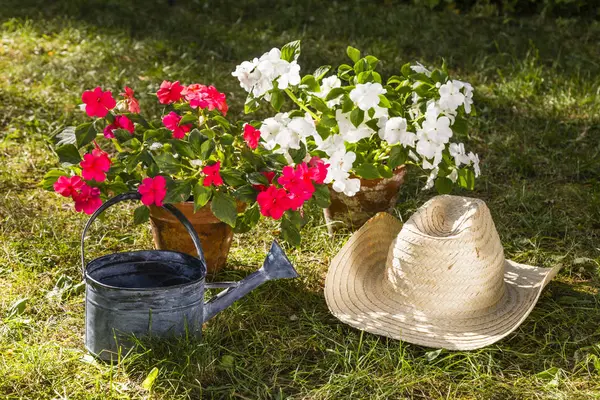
[441,280]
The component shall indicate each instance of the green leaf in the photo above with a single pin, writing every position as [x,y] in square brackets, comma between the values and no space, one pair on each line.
[51,177]
[321,71]
[345,72]
[291,51]
[68,154]
[233,177]
[443,185]
[202,195]
[322,196]
[335,93]
[256,178]
[196,139]
[150,379]
[298,154]
[384,102]
[248,220]
[319,104]
[289,231]
[398,157]
[357,116]
[122,135]
[361,65]
[251,104]
[177,191]
[466,178]
[277,99]
[222,121]
[206,149]
[367,171]
[347,104]
[188,118]
[141,215]
[245,193]
[385,171]
[85,134]
[311,83]
[182,148]
[17,308]
[224,208]
[406,71]
[372,61]
[137,118]
[167,163]
[461,125]
[432,355]
[353,53]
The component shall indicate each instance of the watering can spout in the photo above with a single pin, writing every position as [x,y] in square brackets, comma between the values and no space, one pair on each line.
[275,266]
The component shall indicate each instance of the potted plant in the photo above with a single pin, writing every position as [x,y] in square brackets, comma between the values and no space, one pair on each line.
[365,128]
[192,156]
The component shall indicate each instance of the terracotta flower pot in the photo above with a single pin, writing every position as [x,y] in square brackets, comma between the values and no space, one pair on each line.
[215,235]
[375,195]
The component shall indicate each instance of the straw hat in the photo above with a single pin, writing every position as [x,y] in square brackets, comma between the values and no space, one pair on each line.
[441,280]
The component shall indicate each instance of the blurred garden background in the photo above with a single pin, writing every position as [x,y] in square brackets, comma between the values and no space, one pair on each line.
[535,67]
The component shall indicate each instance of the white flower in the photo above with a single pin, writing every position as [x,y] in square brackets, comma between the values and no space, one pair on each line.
[349,186]
[366,95]
[453,176]
[349,132]
[431,179]
[331,145]
[331,82]
[468,89]
[475,159]
[338,173]
[394,130]
[156,146]
[257,76]
[196,163]
[420,69]
[286,132]
[457,151]
[436,128]
[450,96]
[342,161]
[426,147]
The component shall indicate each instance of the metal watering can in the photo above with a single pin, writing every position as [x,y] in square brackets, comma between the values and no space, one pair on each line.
[158,292]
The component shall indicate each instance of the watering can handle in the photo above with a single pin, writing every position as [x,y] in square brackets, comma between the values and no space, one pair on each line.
[136,196]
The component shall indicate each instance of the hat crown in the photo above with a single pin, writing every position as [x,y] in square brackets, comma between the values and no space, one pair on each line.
[448,258]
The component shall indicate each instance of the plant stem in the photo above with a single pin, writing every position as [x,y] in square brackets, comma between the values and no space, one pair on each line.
[299,104]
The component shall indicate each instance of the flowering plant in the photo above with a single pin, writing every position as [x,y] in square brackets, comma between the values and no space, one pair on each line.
[191,151]
[361,126]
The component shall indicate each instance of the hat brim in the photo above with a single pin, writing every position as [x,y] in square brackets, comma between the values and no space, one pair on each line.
[357,294]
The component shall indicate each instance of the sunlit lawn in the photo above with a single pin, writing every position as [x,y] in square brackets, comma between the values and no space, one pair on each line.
[538,132]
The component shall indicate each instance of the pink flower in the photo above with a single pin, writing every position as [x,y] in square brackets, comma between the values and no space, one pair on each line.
[213,177]
[153,190]
[95,165]
[297,181]
[267,174]
[169,92]
[251,136]
[273,202]
[97,102]
[171,121]
[68,186]
[132,103]
[87,199]
[317,170]
[205,97]
[121,122]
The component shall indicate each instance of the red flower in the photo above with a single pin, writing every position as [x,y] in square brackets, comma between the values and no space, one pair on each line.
[153,190]
[169,92]
[171,121]
[68,186]
[317,170]
[132,103]
[297,181]
[87,199]
[121,122]
[251,136]
[213,177]
[97,102]
[95,165]
[273,202]
[267,174]
[205,97]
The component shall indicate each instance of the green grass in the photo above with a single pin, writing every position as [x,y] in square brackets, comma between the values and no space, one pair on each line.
[538,131]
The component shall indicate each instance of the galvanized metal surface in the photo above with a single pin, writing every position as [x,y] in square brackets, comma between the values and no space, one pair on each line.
[158,292]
